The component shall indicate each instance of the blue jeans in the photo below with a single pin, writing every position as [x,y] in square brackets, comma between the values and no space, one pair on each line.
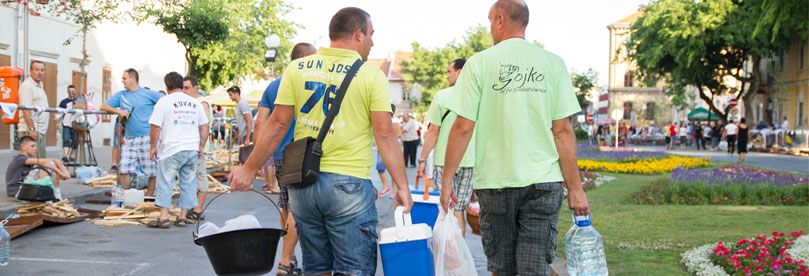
[336,218]
[184,165]
[68,138]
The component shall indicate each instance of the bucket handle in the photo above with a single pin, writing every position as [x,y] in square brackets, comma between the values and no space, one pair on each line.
[427,184]
[402,219]
[283,227]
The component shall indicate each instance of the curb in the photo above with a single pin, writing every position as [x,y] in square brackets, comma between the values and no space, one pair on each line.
[77,200]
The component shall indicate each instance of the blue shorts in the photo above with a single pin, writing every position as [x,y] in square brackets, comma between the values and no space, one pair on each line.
[182,166]
[336,218]
[380,166]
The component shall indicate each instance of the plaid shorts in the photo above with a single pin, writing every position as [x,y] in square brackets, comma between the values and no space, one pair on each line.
[134,152]
[461,185]
[518,228]
[283,199]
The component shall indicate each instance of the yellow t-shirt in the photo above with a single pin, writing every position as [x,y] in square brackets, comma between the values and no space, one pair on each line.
[308,81]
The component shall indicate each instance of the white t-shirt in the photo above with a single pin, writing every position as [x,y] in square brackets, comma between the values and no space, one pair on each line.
[730,129]
[785,125]
[179,117]
[32,94]
[410,131]
[682,132]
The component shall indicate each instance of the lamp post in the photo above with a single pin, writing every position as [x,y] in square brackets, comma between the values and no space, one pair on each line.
[272,42]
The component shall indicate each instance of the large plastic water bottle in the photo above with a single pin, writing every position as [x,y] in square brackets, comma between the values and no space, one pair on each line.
[117,196]
[584,249]
[5,246]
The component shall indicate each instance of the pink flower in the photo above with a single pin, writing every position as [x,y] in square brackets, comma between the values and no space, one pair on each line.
[776,264]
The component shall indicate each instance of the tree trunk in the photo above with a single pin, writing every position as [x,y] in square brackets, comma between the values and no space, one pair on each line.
[755,85]
[723,116]
[85,59]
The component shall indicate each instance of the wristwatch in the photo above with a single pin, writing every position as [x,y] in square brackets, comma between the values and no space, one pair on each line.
[422,160]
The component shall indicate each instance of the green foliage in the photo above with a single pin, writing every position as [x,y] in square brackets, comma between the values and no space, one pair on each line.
[665,191]
[701,43]
[429,66]
[581,134]
[584,82]
[224,40]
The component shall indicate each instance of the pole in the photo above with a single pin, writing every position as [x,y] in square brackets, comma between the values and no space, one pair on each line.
[617,133]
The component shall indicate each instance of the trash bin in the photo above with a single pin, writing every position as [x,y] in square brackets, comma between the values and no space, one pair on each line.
[9,89]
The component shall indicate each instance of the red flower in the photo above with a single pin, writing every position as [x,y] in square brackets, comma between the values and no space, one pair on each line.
[776,264]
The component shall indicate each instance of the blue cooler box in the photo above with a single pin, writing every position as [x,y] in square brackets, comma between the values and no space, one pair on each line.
[425,211]
[405,248]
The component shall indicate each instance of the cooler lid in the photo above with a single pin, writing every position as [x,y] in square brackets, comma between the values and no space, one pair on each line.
[404,230]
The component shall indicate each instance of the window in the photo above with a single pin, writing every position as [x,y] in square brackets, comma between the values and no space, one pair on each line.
[628,78]
[650,111]
[627,110]
[106,90]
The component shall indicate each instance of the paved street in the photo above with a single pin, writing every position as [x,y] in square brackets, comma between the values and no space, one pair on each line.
[86,249]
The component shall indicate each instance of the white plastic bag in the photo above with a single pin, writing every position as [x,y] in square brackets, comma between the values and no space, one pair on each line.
[240,223]
[452,255]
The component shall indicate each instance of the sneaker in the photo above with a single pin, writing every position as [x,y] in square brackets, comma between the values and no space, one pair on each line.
[148,198]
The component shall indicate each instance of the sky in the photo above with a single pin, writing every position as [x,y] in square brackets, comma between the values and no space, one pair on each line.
[576,30]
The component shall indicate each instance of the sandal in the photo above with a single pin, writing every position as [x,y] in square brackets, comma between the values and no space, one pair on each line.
[290,269]
[182,222]
[192,215]
[158,223]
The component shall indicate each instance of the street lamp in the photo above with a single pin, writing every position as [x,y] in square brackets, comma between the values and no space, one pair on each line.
[272,42]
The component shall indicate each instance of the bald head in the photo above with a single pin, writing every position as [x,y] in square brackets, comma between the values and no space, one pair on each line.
[302,49]
[515,10]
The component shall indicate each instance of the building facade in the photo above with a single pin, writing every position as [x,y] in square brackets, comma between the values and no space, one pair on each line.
[402,94]
[113,47]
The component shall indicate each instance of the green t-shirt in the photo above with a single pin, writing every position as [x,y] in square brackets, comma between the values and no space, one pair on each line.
[514,91]
[310,85]
[436,112]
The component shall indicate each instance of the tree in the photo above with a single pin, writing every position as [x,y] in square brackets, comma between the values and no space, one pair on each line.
[86,14]
[429,66]
[224,39]
[702,44]
[584,83]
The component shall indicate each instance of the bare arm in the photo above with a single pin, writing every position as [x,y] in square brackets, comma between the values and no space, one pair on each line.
[460,135]
[261,119]
[203,137]
[248,131]
[270,136]
[385,137]
[429,143]
[154,135]
[565,141]
[108,108]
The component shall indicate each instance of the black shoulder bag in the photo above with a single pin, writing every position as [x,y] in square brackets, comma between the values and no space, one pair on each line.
[301,165]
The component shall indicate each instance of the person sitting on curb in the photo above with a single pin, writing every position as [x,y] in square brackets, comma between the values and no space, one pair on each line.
[22,164]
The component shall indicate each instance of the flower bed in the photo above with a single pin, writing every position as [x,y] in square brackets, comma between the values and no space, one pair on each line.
[591,152]
[729,185]
[739,174]
[644,166]
[756,256]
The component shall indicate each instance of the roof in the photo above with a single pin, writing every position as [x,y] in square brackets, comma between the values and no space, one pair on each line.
[382,63]
[627,21]
[392,66]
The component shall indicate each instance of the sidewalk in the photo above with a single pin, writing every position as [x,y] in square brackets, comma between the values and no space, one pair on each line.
[71,188]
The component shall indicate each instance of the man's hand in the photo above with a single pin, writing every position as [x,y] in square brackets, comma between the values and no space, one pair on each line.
[123,113]
[577,201]
[241,179]
[153,154]
[404,198]
[200,151]
[33,134]
[448,200]
[246,140]
[420,171]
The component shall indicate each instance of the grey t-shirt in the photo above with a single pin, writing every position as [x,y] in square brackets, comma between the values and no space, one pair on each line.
[15,173]
[241,108]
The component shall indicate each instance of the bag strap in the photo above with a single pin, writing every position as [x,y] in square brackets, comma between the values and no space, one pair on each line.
[444,117]
[335,106]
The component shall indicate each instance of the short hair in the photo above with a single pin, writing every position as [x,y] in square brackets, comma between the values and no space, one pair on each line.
[458,63]
[346,21]
[26,139]
[71,86]
[742,121]
[234,89]
[393,108]
[132,73]
[173,81]
[193,80]
[35,62]
[299,50]
[517,11]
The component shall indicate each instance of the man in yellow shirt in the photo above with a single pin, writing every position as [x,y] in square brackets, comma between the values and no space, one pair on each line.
[336,216]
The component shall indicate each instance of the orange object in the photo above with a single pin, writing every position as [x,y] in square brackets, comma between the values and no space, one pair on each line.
[10,89]
[427,184]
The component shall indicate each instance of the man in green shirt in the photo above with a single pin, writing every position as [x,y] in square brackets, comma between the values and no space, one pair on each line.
[439,115]
[517,98]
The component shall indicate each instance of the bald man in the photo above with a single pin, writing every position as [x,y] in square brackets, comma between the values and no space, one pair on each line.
[272,167]
[519,97]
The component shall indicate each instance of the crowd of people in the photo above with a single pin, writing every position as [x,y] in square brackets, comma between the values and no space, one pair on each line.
[495,106]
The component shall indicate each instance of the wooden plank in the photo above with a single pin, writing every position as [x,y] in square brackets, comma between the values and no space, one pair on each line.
[113,223]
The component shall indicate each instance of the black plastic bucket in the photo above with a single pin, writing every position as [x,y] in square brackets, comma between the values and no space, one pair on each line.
[241,252]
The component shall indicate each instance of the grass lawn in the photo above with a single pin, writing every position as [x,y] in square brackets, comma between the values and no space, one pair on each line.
[648,239]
